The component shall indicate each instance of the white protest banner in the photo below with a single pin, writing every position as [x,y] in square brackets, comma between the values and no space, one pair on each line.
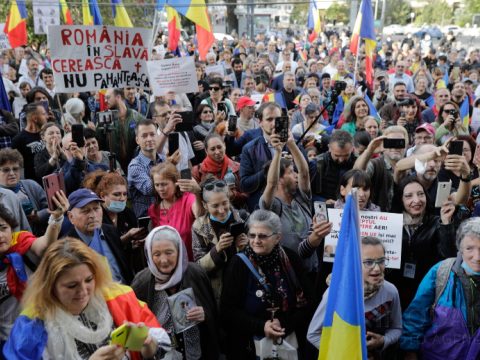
[88,58]
[4,43]
[176,74]
[218,69]
[387,227]
[475,124]
[258,99]
[44,15]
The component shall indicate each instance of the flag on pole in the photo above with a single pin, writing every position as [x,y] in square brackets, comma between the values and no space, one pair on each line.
[95,11]
[16,24]
[173,20]
[196,11]
[364,29]
[86,15]
[67,16]
[465,112]
[372,108]
[430,101]
[4,101]
[120,14]
[313,21]
[344,334]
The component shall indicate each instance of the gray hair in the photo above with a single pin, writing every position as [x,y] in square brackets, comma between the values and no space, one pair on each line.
[266,218]
[167,234]
[216,189]
[342,138]
[469,227]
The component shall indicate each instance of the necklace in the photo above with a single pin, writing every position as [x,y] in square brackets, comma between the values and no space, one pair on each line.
[164,211]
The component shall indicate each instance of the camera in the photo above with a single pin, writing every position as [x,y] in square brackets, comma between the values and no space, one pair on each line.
[453,112]
[105,118]
[340,86]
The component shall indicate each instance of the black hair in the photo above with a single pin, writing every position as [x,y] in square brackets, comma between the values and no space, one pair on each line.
[89,133]
[284,164]
[359,178]
[361,138]
[6,215]
[144,122]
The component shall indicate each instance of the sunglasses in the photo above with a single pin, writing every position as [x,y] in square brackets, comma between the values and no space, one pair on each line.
[215,88]
[220,184]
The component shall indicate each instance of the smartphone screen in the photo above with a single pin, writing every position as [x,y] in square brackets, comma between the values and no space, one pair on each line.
[53,183]
[187,121]
[77,135]
[173,143]
[456,148]
[320,210]
[232,123]
[281,128]
[394,143]
[143,222]
[236,229]
[221,107]
[113,161]
[186,174]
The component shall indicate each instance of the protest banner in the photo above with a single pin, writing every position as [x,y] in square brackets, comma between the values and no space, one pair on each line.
[89,58]
[44,15]
[176,74]
[4,43]
[218,69]
[387,227]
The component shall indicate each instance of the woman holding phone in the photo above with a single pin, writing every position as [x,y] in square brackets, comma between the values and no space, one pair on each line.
[52,157]
[448,123]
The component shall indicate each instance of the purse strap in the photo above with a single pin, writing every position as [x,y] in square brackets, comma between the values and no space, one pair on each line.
[261,279]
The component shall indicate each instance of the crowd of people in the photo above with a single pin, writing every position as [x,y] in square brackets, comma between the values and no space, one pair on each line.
[220,214]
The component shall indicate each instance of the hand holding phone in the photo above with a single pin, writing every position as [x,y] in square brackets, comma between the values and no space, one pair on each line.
[173,143]
[393,143]
[455,148]
[52,184]
[443,192]
[130,336]
[77,135]
[320,210]
[281,128]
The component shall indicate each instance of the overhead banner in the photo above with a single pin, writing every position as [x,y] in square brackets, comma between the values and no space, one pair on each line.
[44,15]
[387,227]
[89,58]
[173,75]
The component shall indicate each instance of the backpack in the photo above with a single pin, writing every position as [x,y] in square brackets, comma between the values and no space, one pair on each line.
[443,272]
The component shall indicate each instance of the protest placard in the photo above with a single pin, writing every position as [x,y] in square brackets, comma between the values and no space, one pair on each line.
[387,227]
[44,15]
[88,58]
[218,69]
[475,124]
[176,74]
[4,43]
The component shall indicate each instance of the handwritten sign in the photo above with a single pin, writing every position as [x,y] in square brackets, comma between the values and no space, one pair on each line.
[88,58]
[176,74]
[218,69]
[387,227]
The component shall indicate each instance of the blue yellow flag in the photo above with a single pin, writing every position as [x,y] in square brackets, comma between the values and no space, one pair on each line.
[120,15]
[343,333]
[465,112]
[95,11]
[430,101]
[372,108]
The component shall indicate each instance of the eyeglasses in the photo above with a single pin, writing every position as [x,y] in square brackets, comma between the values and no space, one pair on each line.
[8,170]
[207,112]
[163,114]
[214,184]
[215,88]
[370,263]
[260,237]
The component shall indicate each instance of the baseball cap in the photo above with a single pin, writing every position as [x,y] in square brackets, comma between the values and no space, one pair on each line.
[380,73]
[244,101]
[426,127]
[81,197]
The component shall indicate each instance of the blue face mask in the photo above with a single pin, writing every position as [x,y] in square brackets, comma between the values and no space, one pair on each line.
[117,206]
[213,218]
[468,269]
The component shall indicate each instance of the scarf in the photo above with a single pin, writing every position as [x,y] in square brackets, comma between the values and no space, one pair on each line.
[277,264]
[166,281]
[12,260]
[370,290]
[211,166]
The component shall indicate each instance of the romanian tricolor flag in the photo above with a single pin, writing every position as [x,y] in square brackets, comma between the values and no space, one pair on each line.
[465,112]
[16,24]
[196,11]
[120,14]
[91,13]
[276,97]
[173,19]
[313,21]
[364,29]
[343,333]
[67,17]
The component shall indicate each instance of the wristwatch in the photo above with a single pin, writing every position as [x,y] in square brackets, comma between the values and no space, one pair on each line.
[468,178]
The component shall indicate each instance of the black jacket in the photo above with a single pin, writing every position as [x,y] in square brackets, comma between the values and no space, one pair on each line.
[195,278]
[113,240]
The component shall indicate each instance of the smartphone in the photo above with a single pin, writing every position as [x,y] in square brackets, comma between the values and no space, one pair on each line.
[236,229]
[455,148]
[186,174]
[221,107]
[394,143]
[143,222]
[173,143]
[403,114]
[53,183]
[443,192]
[45,105]
[382,85]
[77,135]
[130,337]
[232,122]
[187,123]
[112,158]
[281,128]
[320,210]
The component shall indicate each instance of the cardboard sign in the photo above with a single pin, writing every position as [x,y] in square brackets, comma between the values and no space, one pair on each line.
[387,227]
[173,75]
[89,58]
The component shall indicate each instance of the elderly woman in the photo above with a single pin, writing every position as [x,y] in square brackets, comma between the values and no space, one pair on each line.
[71,307]
[263,294]
[29,193]
[442,320]
[355,114]
[74,113]
[213,244]
[168,273]
[16,250]
[220,166]
[383,315]
[52,157]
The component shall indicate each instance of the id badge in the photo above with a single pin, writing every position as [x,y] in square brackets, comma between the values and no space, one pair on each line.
[409,270]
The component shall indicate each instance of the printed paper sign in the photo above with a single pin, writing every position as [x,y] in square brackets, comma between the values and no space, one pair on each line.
[173,75]
[4,43]
[218,69]
[89,58]
[387,227]
[44,15]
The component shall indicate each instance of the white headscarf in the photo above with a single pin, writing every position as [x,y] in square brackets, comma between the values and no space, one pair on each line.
[166,281]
